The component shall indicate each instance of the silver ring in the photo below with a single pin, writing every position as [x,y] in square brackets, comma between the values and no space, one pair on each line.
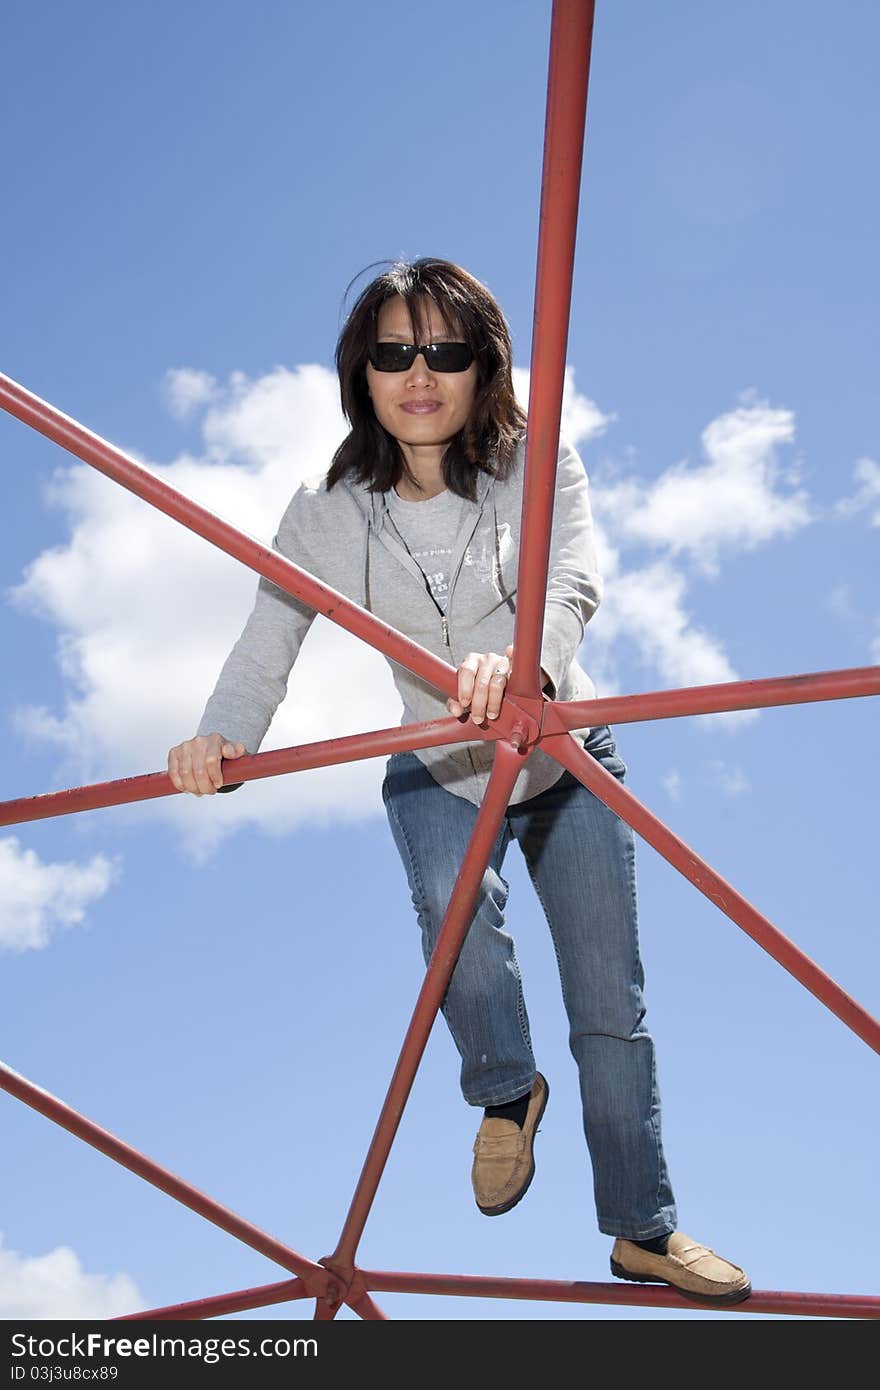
[500,671]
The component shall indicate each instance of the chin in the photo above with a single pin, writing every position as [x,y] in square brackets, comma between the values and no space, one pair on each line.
[421,434]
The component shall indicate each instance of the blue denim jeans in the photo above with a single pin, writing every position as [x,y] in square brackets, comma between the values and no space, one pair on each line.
[581,860]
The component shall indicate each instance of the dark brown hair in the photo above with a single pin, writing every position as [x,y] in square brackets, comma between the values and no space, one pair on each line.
[488,440]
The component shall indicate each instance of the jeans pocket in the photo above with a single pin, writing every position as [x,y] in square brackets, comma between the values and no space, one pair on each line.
[600,744]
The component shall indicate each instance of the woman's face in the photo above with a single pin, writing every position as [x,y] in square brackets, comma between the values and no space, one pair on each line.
[419,407]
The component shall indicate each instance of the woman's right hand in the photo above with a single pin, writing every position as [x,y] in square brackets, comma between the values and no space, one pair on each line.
[195,766]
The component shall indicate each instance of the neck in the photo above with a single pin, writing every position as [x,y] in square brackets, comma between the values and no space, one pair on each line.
[426,467]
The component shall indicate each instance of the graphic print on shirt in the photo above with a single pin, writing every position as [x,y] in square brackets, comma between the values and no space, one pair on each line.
[433,561]
[489,554]
[429,530]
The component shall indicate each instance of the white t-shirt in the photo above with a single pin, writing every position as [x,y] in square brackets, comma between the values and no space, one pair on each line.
[428,530]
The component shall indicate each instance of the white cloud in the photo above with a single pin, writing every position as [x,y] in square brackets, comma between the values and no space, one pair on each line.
[867,494]
[737,500]
[646,607]
[37,899]
[672,784]
[732,780]
[647,604]
[56,1286]
[581,418]
[187,389]
[147,612]
[838,602]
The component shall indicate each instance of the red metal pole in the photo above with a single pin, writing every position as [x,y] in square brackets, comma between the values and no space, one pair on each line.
[367,1308]
[505,770]
[572,756]
[328,752]
[314,1276]
[713,699]
[808,1305]
[221,1305]
[116,465]
[324,1311]
[571,32]
[617,709]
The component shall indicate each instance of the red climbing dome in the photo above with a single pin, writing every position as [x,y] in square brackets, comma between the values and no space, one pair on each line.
[528,720]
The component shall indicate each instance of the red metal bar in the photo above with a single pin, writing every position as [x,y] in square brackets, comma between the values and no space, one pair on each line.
[571,34]
[505,770]
[314,1276]
[571,31]
[97,452]
[367,1308]
[808,1305]
[221,1305]
[814,1305]
[619,709]
[844,684]
[572,756]
[303,756]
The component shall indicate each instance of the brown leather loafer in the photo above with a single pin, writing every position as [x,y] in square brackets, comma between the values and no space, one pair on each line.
[504,1161]
[693,1269]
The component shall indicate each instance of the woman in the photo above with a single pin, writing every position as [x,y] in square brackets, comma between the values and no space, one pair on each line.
[418,521]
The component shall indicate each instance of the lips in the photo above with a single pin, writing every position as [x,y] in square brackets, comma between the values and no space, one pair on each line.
[420,407]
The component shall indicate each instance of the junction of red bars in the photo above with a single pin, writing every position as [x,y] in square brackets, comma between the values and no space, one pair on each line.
[528,719]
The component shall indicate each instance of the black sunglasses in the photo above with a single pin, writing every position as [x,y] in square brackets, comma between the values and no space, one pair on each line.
[439,357]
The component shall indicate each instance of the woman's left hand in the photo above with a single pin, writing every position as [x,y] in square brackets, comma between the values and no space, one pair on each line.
[482,681]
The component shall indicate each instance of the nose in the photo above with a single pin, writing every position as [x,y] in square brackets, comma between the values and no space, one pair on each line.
[419,371]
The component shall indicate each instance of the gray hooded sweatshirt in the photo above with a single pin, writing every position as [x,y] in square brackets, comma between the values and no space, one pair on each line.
[344,538]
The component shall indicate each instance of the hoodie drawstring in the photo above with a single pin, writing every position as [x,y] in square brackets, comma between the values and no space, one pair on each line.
[508,598]
[367,599]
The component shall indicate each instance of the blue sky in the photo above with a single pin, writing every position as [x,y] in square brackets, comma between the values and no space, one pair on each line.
[225,984]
